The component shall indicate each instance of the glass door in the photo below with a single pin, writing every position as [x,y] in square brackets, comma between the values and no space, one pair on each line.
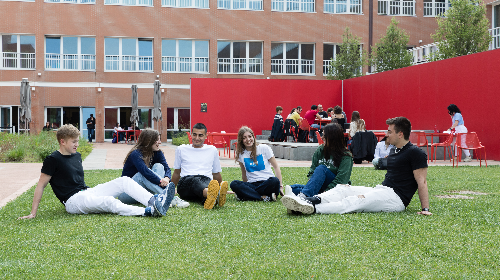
[85,114]
[6,119]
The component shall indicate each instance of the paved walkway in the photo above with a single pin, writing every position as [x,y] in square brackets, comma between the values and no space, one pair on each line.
[16,178]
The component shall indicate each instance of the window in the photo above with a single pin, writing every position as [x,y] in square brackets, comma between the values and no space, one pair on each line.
[185,3]
[434,8]
[343,6]
[396,7]
[184,56]
[70,53]
[72,1]
[292,58]
[128,54]
[18,51]
[129,2]
[293,5]
[255,5]
[239,57]
[329,52]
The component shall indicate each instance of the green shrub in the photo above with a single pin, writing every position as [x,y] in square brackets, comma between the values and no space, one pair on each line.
[180,140]
[33,148]
[16,154]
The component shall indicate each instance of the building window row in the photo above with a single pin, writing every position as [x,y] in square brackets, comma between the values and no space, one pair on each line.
[73,53]
[432,8]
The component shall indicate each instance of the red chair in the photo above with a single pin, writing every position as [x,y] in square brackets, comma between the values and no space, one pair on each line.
[218,142]
[447,145]
[469,141]
[419,139]
[320,140]
[304,125]
[190,138]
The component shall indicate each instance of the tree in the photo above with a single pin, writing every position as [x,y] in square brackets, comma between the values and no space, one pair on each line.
[349,60]
[391,53]
[463,30]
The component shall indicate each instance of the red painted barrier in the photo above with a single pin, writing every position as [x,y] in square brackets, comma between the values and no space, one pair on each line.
[232,103]
[421,93]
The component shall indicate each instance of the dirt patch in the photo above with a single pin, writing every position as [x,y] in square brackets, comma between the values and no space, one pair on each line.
[468,192]
[455,196]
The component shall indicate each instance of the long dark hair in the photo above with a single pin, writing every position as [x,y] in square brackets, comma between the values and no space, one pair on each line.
[334,146]
[145,145]
[453,109]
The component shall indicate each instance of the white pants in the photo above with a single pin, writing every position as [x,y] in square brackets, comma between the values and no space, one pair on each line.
[101,198]
[461,129]
[348,199]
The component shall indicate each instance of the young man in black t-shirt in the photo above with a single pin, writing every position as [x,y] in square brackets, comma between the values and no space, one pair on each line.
[406,173]
[64,171]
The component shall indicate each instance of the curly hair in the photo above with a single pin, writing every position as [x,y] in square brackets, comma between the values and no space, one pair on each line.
[144,144]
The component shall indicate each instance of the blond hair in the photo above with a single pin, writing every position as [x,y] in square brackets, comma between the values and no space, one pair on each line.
[67,131]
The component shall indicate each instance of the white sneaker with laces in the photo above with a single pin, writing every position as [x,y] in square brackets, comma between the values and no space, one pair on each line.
[179,203]
[467,159]
[288,190]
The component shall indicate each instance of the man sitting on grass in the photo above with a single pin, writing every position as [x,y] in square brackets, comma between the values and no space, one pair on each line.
[197,171]
[406,172]
[64,171]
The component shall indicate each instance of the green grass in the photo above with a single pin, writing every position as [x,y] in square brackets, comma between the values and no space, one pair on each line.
[257,240]
[33,147]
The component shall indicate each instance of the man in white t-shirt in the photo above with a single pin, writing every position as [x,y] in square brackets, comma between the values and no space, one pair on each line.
[197,171]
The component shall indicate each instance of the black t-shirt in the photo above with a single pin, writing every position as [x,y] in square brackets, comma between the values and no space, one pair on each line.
[67,174]
[92,123]
[323,114]
[400,167]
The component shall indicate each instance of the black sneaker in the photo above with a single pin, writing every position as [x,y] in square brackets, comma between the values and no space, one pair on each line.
[313,199]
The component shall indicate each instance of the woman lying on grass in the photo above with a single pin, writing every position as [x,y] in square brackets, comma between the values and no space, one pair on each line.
[146,164]
[259,182]
[331,164]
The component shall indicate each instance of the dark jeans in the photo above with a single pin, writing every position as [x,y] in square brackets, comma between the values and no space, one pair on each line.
[91,134]
[191,187]
[318,182]
[255,190]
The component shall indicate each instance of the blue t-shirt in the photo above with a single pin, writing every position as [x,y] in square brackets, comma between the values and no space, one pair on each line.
[457,117]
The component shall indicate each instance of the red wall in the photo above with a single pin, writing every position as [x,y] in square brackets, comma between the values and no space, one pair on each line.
[233,103]
[423,92]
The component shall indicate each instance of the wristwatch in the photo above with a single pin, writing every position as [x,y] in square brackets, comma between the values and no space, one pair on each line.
[425,209]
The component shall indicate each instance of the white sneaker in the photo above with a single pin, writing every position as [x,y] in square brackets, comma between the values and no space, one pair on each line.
[288,190]
[297,204]
[179,203]
[467,159]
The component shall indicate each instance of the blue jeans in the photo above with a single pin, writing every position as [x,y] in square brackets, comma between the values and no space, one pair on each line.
[141,180]
[255,190]
[91,132]
[318,182]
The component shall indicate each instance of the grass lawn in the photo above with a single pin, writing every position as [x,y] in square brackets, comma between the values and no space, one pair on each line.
[257,240]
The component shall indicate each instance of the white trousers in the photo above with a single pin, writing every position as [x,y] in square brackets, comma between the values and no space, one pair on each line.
[461,129]
[101,198]
[348,199]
